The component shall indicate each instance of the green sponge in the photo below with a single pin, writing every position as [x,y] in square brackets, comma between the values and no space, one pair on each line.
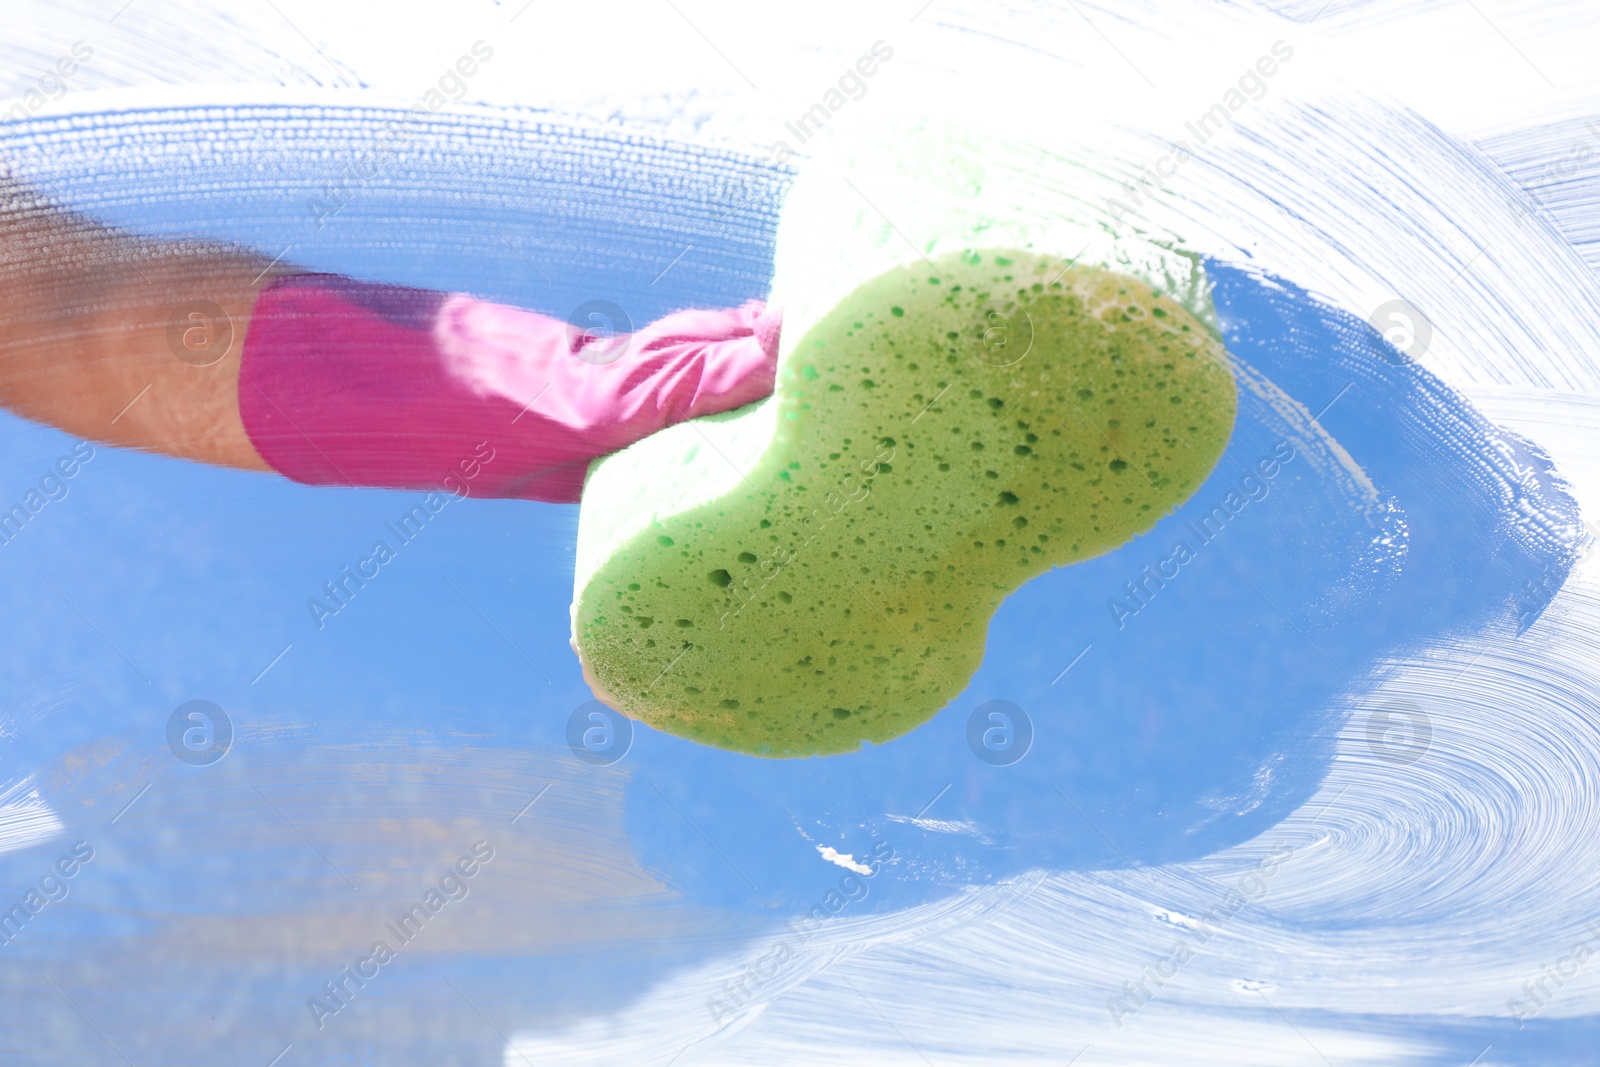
[819,570]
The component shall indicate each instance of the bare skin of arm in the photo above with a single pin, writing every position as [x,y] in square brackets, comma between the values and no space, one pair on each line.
[92,321]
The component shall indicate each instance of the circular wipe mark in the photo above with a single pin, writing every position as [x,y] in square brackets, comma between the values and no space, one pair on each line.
[199,733]
[1407,330]
[599,332]
[598,734]
[1399,733]
[199,333]
[1003,334]
[999,733]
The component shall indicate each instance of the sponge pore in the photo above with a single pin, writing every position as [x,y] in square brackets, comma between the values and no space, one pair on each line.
[944,434]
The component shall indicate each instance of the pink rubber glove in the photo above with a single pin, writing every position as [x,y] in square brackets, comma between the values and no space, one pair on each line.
[349,383]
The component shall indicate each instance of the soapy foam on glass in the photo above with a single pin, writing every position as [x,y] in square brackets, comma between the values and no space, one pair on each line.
[819,570]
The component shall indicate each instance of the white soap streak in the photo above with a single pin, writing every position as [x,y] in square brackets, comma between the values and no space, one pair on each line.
[1566,425]
[943,826]
[1366,205]
[1356,199]
[675,1019]
[1473,68]
[25,818]
[1328,457]
[167,42]
[1556,166]
[907,191]
[976,1018]
[1434,888]
[843,859]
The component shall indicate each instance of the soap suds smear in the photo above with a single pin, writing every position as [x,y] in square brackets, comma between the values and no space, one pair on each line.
[952,429]
[1476,850]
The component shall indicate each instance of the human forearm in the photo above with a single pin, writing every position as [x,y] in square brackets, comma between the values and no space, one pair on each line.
[143,343]
[85,341]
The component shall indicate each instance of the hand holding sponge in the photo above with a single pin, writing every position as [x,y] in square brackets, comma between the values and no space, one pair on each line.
[818,570]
